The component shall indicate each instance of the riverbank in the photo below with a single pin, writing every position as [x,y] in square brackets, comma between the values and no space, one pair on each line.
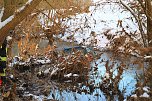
[43,78]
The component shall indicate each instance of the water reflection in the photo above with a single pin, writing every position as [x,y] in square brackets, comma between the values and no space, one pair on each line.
[127,82]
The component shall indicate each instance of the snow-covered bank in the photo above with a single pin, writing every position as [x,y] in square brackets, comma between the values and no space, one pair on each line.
[100,19]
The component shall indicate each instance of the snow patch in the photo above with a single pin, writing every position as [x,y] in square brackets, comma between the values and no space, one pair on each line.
[148,57]
[11,76]
[145,95]
[9,38]
[47,71]
[146,89]
[70,9]
[134,95]
[125,100]
[54,71]
[75,75]
[68,81]
[37,98]
[43,61]
[68,75]
[16,60]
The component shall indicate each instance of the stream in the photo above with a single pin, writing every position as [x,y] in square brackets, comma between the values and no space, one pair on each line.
[127,82]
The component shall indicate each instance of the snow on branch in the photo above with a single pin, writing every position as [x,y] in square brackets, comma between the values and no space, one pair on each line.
[14,20]
[1,14]
[2,24]
[148,57]
[137,19]
[29,1]
[22,8]
[128,8]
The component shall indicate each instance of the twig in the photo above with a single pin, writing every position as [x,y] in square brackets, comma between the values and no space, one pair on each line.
[138,21]
[142,5]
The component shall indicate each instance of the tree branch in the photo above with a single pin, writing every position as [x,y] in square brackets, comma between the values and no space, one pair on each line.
[138,21]
[18,17]
[142,5]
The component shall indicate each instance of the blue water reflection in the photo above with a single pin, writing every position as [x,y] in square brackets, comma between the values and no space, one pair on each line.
[127,82]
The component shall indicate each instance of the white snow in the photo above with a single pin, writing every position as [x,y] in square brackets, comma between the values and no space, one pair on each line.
[11,76]
[2,24]
[75,75]
[148,57]
[146,89]
[134,95]
[9,38]
[99,21]
[22,8]
[68,75]
[107,75]
[47,71]
[145,95]
[68,81]
[39,72]
[15,60]
[121,48]
[43,61]
[1,13]
[54,71]
[37,98]
[29,1]
[70,9]
[111,70]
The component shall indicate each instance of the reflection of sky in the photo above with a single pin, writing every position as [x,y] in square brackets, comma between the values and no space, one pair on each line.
[128,78]
[73,96]
[128,82]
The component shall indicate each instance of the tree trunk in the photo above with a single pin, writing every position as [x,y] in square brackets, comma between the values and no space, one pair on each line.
[148,5]
[149,21]
[18,17]
[9,10]
[10,7]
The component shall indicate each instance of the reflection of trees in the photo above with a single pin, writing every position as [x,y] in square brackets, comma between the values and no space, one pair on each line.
[142,13]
